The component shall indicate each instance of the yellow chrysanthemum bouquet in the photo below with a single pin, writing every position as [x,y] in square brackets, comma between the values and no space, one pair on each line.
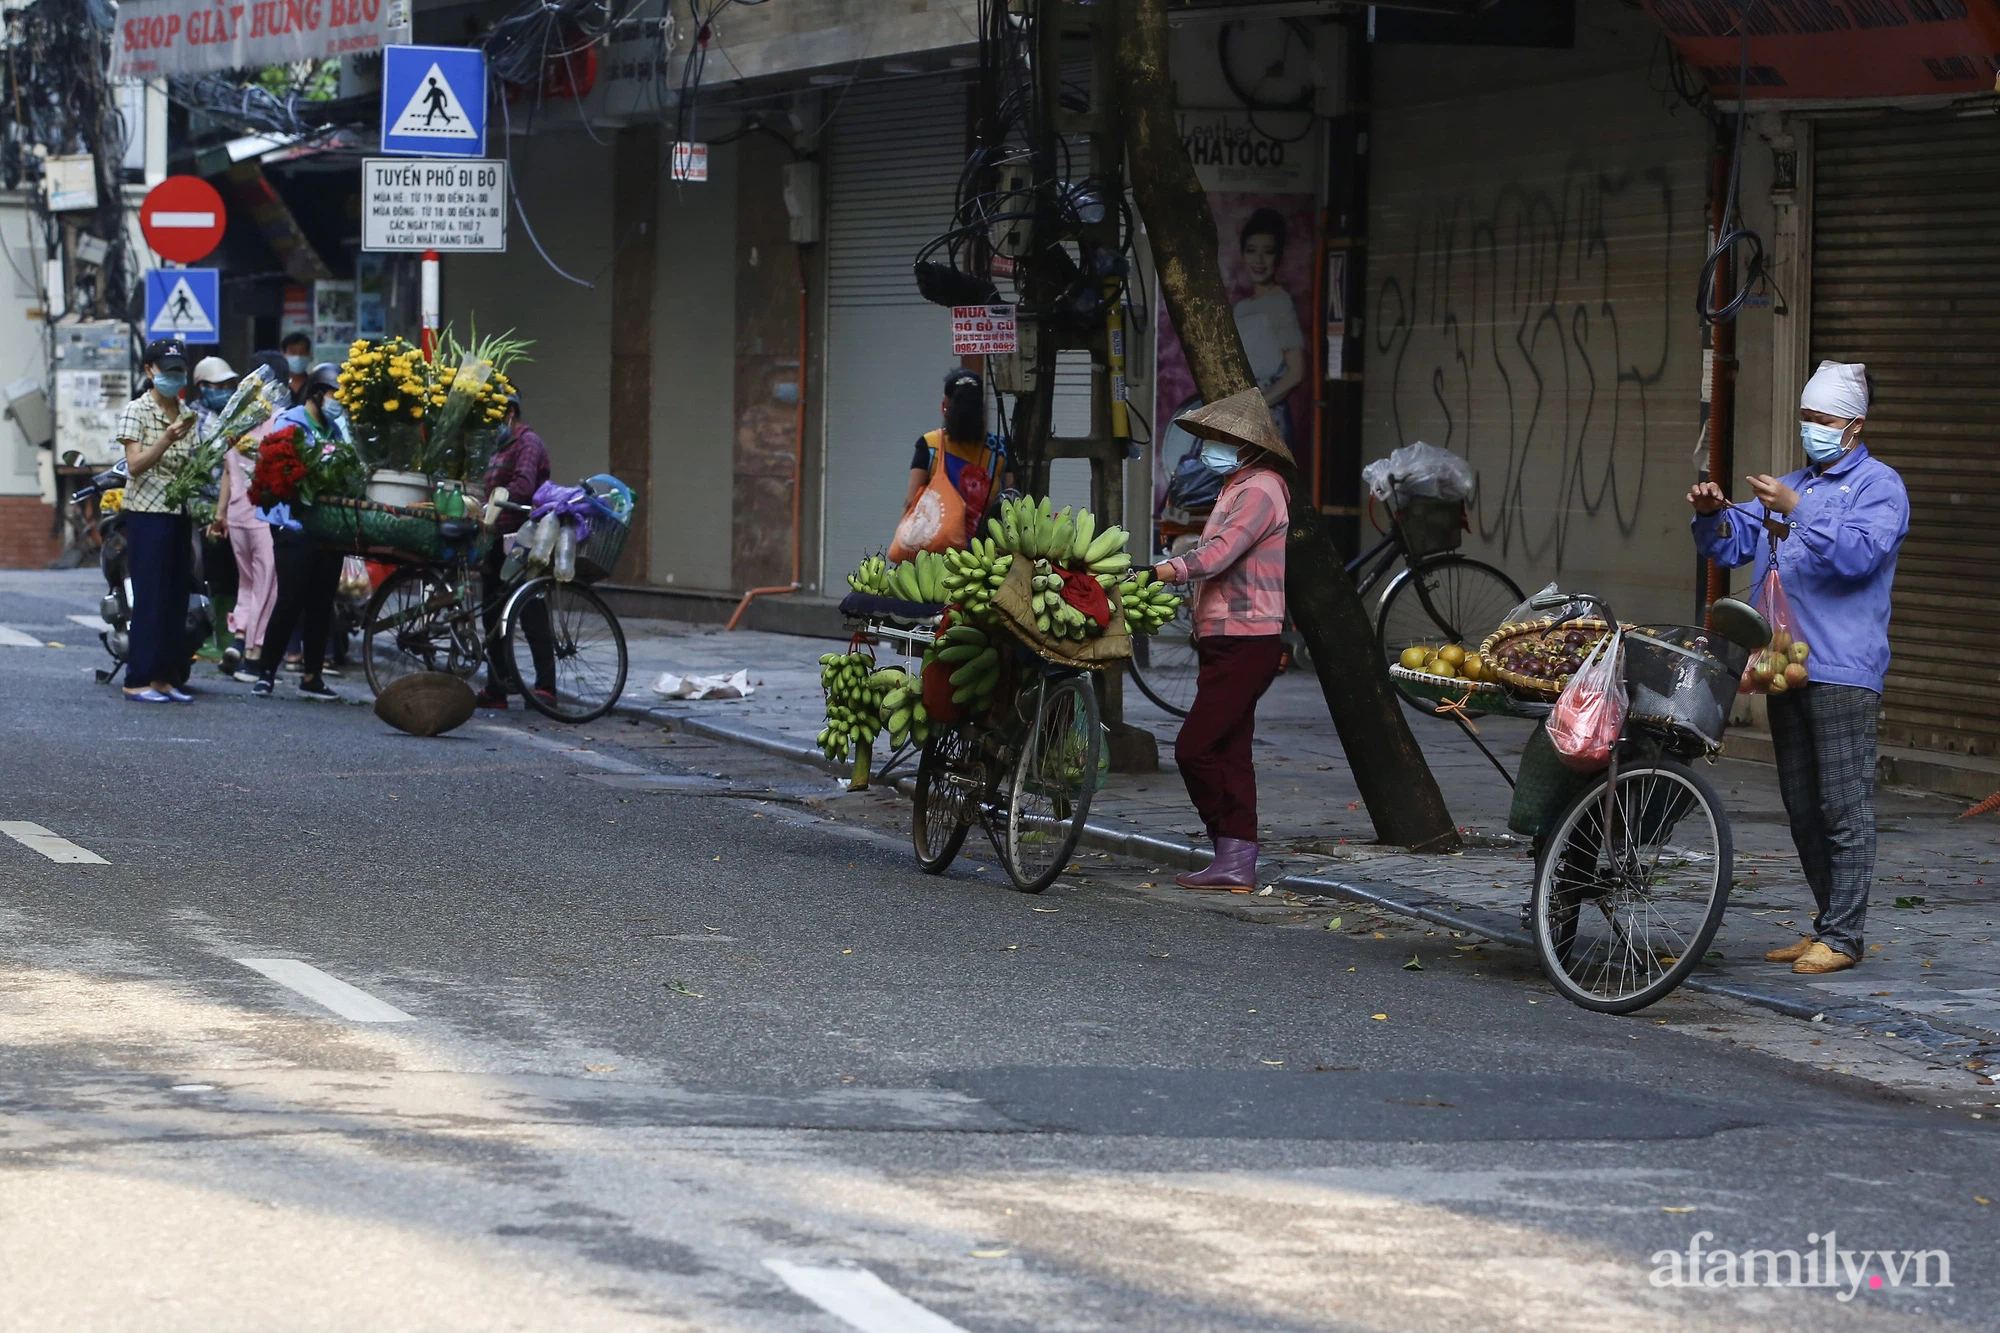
[436,417]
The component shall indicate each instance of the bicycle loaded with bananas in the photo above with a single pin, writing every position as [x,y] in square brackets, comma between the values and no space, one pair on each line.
[1007,632]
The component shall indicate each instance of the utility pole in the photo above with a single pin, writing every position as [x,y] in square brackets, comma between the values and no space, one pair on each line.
[1079,136]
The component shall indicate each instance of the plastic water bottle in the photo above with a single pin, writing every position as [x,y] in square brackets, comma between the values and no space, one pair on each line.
[543,544]
[565,552]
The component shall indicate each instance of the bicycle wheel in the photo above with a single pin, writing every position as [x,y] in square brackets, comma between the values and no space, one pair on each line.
[950,781]
[1054,779]
[1163,665]
[1620,921]
[414,623]
[1444,600]
[567,650]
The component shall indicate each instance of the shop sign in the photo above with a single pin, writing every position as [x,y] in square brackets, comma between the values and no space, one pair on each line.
[434,204]
[690,162]
[1265,152]
[983,330]
[160,37]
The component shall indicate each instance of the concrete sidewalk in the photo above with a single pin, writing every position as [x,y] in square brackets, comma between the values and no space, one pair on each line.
[1933,966]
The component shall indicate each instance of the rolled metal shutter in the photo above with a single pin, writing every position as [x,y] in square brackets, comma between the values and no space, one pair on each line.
[1906,278]
[894,154]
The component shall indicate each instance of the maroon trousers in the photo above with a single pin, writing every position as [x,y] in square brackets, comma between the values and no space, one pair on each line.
[1213,749]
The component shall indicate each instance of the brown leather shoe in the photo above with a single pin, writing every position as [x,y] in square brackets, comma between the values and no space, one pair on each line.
[1820,959]
[1791,953]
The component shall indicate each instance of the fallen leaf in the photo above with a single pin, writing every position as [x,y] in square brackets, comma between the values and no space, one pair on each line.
[1149,885]
[1271,1062]
[1380,1018]
[847,951]
[1350,969]
[1156,955]
[1665,1209]
[1045,909]
[679,989]
[1534,1002]
[1333,924]
[1380,936]
[1981,1201]
[1413,965]
[600,1069]
[1907,903]
[1005,947]
[989,1254]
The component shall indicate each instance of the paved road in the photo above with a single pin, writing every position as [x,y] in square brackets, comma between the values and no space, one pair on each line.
[539,1037]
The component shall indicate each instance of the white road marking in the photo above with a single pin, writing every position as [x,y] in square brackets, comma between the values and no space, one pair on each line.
[589,758]
[13,638]
[38,839]
[858,1298]
[350,1002]
[88,622]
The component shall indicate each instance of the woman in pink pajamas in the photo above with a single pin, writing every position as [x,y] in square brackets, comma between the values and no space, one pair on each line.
[250,539]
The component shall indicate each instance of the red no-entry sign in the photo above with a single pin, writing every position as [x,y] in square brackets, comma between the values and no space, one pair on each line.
[182,219]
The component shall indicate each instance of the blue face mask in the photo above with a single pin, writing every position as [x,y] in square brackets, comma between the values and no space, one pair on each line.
[1220,457]
[214,397]
[1823,444]
[298,365]
[171,382]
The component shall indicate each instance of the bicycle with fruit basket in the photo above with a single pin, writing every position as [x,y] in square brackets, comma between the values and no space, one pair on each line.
[1003,708]
[1632,861]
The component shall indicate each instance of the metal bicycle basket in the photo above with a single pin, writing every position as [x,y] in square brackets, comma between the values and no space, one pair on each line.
[1683,678]
[1431,526]
[598,555]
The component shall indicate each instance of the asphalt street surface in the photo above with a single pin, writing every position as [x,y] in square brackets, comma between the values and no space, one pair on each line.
[629,1030]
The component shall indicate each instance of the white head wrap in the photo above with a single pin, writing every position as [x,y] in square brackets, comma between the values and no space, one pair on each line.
[1837,388]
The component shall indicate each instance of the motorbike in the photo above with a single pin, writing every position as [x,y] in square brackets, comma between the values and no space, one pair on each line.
[115,606]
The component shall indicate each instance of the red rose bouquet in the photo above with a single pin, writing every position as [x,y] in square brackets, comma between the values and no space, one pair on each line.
[279,468]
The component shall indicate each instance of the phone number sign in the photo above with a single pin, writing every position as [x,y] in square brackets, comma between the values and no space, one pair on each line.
[434,204]
[983,330]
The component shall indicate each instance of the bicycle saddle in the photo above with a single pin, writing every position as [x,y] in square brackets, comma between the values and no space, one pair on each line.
[457,529]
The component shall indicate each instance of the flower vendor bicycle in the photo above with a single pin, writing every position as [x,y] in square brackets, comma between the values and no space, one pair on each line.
[431,616]
[1026,772]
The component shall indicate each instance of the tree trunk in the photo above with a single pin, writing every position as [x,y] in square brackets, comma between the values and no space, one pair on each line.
[1396,784]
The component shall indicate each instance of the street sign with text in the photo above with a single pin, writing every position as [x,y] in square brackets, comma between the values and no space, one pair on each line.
[434,204]
[983,330]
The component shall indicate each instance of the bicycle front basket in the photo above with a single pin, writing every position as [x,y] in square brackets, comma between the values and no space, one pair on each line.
[1430,526]
[598,555]
[1683,678]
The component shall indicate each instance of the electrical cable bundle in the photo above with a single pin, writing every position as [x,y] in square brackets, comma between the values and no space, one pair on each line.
[58,97]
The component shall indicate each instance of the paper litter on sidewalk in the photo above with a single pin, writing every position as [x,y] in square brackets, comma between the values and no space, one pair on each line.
[736,685]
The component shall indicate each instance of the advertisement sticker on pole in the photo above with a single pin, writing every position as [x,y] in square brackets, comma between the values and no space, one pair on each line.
[434,101]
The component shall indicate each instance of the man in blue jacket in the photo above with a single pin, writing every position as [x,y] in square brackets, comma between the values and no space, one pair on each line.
[1833,528]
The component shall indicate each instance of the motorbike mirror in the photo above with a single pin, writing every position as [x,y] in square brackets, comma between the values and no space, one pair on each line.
[71,457]
[1740,623]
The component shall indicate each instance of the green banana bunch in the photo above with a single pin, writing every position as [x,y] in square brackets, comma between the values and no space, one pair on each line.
[971,575]
[1147,604]
[902,707]
[871,577]
[854,693]
[974,659]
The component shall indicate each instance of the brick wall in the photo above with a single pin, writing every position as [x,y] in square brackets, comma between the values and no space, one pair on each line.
[25,542]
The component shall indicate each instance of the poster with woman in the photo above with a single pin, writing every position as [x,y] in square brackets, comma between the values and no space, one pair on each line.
[1267,243]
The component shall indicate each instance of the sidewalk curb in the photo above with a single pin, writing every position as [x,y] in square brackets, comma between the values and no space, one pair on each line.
[1498,927]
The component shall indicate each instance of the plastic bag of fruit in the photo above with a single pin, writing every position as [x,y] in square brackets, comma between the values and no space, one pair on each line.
[1780,667]
[1590,712]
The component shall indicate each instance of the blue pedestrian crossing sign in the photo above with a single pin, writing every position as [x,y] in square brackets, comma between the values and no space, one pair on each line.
[184,303]
[434,101]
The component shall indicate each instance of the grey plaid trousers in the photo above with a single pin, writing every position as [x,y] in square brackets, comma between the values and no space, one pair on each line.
[1824,736]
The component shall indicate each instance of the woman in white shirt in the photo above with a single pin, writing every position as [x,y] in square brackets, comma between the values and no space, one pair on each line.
[1267,320]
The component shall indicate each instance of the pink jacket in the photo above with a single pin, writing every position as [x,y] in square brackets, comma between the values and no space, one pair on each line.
[1240,560]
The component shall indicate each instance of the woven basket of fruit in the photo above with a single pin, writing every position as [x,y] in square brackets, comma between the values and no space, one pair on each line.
[1475,696]
[1537,657]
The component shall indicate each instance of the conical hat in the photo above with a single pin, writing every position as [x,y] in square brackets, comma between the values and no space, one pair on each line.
[1241,418]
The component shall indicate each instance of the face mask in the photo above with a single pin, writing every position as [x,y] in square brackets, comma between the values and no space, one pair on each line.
[333,409]
[214,397]
[298,365]
[1823,444]
[171,382]
[1220,457]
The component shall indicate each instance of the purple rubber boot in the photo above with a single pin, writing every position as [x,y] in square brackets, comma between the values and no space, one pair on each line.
[1234,867]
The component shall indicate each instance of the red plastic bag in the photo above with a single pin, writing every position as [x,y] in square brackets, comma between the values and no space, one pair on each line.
[1781,667]
[1590,712]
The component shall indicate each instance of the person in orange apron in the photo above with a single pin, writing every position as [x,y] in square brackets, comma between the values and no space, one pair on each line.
[974,462]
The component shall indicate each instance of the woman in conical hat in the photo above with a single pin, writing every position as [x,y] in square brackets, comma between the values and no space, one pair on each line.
[1239,619]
